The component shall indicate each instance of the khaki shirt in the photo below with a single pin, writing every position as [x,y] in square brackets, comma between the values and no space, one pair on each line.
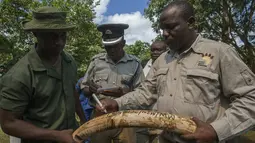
[103,71]
[208,81]
[147,67]
[42,95]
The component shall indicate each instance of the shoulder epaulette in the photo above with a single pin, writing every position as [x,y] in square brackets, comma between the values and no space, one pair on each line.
[98,56]
[134,57]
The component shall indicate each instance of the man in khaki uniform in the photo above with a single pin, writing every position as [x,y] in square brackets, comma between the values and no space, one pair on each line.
[37,102]
[157,48]
[114,69]
[199,78]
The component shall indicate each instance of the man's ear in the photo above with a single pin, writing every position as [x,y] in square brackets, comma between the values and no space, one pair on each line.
[191,22]
[123,43]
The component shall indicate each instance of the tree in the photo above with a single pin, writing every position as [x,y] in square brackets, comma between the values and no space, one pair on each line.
[140,49]
[224,20]
[83,42]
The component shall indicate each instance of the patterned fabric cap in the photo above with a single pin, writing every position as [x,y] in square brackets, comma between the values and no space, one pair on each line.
[47,19]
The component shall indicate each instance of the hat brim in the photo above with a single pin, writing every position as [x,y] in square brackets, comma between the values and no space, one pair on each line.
[47,26]
[112,41]
[110,26]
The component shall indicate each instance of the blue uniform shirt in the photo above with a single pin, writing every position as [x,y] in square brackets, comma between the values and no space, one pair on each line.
[87,109]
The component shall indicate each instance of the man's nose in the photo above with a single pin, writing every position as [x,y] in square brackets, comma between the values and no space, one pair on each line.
[60,41]
[156,52]
[165,33]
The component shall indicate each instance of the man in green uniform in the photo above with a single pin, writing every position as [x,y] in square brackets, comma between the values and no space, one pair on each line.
[198,78]
[37,102]
[114,69]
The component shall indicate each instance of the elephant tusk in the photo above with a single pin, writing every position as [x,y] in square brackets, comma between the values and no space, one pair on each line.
[135,118]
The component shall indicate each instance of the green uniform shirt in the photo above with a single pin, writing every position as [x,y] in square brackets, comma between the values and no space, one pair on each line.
[44,96]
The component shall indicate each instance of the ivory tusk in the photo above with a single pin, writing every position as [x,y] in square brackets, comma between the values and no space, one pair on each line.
[135,118]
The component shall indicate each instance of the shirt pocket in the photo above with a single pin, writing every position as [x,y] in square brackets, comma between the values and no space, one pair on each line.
[201,86]
[101,79]
[247,77]
[161,75]
[126,80]
[45,89]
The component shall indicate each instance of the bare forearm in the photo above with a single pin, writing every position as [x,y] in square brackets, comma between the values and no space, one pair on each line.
[78,108]
[26,130]
[80,113]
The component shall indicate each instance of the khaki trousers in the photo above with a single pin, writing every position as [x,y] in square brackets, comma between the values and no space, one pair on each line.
[124,135]
[145,135]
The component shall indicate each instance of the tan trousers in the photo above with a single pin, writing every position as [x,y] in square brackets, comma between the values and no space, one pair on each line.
[145,135]
[169,137]
[125,135]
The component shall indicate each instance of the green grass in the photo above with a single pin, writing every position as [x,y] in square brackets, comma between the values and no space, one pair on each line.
[3,137]
[250,135]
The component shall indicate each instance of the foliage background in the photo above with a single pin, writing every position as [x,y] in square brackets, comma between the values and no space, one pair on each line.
[82,43]
[229,21]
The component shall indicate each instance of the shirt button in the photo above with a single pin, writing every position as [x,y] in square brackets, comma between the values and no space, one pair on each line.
[171,95]
[174,78]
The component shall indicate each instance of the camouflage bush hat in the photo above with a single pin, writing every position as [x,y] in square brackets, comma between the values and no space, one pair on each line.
[47,19]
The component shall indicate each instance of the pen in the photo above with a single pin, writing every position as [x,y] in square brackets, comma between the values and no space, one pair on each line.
[98,102]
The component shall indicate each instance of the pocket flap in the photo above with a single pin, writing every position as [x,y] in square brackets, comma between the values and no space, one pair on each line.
[202,73]
[162,71]
[101,77]
[126,77]
[247,77]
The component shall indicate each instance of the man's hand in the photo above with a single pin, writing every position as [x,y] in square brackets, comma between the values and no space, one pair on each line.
[93,86]
[204,133]
[65,136]
[109,104]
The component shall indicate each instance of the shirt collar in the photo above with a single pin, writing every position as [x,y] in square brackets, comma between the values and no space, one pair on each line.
[37,65]
[149,63]
[124,59]
[35,61]
[194,47]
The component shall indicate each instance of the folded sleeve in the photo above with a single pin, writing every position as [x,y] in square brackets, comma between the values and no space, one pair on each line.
[14,95]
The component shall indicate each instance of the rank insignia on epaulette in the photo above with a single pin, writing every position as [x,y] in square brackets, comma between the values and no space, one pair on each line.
[206,60]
